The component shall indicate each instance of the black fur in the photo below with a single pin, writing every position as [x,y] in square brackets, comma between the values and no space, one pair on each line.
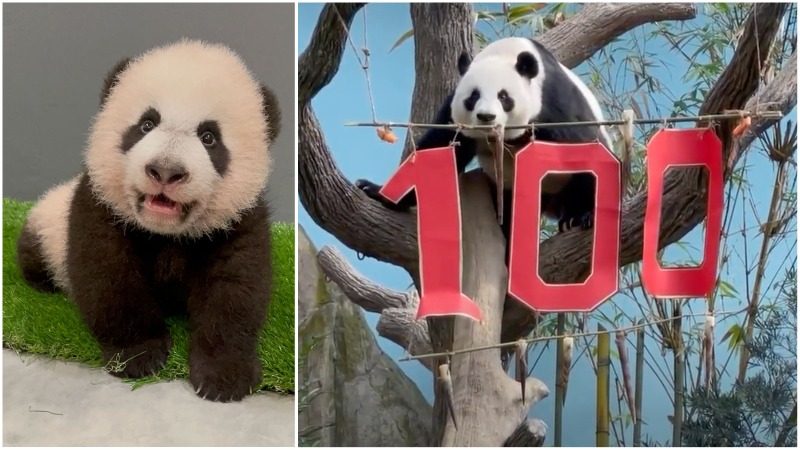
[272,111]
[125,281]
[506,100]
[135,133]
[219,154]
[31,261]
[527,66]
[112,78]
[562,101]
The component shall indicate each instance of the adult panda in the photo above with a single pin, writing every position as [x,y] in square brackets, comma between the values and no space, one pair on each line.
[515,81]
[168,216]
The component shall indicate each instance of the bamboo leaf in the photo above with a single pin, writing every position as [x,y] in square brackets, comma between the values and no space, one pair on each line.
[402,39]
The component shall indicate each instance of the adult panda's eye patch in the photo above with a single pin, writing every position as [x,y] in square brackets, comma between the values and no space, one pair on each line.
[136,132]
[469,103]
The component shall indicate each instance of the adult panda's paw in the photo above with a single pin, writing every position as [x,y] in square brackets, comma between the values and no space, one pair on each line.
[226,379]
[371,189]
[585,222]
[140,360]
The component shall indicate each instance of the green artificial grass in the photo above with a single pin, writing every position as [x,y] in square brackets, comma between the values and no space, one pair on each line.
[49,324]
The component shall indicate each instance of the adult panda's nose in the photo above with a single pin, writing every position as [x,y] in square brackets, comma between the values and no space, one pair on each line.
[166,175]
[486,117]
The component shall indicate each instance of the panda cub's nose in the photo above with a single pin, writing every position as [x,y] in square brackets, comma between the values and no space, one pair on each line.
[166,175]
[486,117]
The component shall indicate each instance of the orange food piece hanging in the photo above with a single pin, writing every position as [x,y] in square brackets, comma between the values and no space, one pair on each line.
[744,123]
[385,134]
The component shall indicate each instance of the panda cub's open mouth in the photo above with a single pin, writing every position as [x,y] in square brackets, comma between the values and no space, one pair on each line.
[164,206]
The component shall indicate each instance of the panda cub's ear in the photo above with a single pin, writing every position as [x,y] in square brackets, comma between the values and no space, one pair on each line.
[112,78]
[271,111]
[527,66]
[464,60]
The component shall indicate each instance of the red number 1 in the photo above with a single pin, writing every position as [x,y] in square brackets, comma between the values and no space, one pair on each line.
[432,174]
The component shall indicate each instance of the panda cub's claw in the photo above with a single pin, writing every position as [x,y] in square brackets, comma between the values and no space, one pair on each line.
[223,379]
[137,361]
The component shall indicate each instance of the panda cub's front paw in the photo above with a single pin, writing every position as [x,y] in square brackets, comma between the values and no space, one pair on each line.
[140,360]
[223,379]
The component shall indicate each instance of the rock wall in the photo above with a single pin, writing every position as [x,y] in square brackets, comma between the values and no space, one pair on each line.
[351,393]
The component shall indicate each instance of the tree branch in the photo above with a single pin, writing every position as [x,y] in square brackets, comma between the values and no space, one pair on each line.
[319,63]
[597,24]
[398,310]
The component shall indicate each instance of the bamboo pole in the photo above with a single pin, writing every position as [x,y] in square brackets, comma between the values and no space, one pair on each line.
[637,426]
[603,364]
[559,386]
[678,375]
[752,310]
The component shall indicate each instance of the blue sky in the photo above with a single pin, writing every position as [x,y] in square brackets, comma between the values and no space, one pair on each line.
[359,154]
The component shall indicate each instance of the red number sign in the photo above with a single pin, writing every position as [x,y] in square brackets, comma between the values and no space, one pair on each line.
[532,164]
[677,148]
[432,174]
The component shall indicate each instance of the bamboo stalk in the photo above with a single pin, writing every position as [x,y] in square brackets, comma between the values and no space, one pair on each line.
[603,364]
[637,426]
[559,386]
[677,351]
[752,310]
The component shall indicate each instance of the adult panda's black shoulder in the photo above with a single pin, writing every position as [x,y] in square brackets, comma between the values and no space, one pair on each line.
[516,81]
[168,217]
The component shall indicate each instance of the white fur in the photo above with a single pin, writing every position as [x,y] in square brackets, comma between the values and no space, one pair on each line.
[187,83]
[49,219]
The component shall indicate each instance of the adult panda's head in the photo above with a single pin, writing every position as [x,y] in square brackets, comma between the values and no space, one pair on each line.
[181,144]
[502,85]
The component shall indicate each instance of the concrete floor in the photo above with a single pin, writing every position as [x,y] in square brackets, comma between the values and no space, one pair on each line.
[48,402]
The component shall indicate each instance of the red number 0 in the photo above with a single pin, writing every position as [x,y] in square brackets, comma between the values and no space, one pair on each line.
[675,148]
[532,164]
[432,174]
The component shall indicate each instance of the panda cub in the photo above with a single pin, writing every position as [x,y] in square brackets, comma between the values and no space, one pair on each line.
[168,217]
[516,81]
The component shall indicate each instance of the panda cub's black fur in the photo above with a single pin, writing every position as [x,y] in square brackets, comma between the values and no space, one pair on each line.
[168,217]
[549,93]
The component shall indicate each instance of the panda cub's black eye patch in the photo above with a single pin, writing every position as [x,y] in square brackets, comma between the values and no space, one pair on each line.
[210,136]
[148,121]
[505,100]
[469,102]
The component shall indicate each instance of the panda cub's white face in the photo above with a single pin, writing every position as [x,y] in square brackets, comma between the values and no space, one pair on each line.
[498,90]
[181,144]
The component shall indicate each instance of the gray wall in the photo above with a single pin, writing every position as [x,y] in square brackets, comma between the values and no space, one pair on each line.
[55,57]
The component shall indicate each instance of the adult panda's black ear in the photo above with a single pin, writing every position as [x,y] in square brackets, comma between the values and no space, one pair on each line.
[463,63]
[527,66]
[112,78]
[271,111]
